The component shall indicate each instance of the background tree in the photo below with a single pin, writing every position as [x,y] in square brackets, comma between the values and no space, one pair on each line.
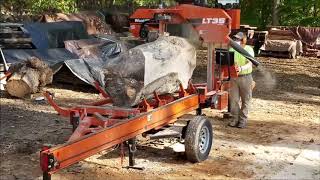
[297,12]
[275,11]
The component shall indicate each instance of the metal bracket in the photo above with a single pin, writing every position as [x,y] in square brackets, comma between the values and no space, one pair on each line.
[75,119]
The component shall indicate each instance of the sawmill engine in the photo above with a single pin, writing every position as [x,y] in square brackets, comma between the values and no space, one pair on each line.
[145,26]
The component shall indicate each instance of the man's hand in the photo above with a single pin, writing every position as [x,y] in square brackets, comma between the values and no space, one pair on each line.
[238,69]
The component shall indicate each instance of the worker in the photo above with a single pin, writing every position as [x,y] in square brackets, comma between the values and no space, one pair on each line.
[241,87]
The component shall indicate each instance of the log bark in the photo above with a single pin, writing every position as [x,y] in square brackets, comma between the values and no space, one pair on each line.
[279,37]
[281,33]
[28,77]
[91,21]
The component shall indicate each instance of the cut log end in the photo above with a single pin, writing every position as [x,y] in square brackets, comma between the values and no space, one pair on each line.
[18,88]
[28,77]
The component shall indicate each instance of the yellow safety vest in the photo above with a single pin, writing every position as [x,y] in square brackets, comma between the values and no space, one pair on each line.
[240,60]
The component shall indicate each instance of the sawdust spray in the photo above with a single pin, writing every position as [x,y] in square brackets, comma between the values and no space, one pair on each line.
[264,78]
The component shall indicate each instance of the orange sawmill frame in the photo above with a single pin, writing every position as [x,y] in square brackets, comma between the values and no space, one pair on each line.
[120,125]
[99,125]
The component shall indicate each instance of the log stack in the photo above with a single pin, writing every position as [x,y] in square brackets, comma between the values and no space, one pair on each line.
[304,38]
[281,43]
[13,36]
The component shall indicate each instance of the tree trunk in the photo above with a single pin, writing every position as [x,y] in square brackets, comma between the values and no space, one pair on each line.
[275,15]
[315,9]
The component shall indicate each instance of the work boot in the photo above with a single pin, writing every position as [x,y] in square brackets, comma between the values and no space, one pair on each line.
[242,124]
[233,123]
[227,115]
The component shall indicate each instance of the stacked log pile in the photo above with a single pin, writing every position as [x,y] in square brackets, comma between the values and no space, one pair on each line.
[12,36]
[292,42]
[281,43]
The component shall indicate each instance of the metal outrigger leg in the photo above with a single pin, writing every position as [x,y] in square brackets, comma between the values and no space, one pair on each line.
[46,176]
[132,146]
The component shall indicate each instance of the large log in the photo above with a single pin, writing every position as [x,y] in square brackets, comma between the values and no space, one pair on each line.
[160,66]
[91,21]
[281,32]
[28,77]
[279,37]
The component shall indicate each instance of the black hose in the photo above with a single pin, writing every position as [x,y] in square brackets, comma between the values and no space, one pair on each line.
[243,52]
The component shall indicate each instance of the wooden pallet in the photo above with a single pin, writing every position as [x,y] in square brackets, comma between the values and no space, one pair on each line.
[14,36]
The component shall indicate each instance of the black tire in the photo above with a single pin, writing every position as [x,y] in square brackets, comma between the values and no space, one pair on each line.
[197,149]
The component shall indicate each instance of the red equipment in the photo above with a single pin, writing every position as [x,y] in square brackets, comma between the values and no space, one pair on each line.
[99,125]
[144,21]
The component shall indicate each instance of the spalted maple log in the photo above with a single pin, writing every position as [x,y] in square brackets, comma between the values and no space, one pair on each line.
[160,66]
[28,77]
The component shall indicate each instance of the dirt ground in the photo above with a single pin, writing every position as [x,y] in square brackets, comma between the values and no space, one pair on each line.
[281,141]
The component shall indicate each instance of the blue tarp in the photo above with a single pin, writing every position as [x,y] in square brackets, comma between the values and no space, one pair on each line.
[53,34]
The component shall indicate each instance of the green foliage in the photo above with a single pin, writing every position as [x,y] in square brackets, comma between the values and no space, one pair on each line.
[297,12]
[290,12]
[40,6]
[256,12]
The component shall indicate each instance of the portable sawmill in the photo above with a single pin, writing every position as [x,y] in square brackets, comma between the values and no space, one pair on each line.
[99,125]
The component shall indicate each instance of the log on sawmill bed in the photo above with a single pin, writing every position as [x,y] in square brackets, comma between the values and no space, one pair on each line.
[157,66]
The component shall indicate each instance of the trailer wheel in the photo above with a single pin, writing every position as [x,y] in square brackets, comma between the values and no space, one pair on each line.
[198,139]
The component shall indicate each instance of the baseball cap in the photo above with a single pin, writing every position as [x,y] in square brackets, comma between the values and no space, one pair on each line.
[239,35]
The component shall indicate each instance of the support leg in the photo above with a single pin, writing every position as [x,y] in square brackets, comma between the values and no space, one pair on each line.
[132,146]
[199,111]
[46,176]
